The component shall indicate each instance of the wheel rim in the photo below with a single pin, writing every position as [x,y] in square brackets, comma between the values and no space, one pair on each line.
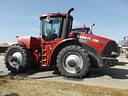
[15,60]
[73,63]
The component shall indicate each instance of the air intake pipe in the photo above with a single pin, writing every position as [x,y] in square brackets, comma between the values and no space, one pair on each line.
[66,24]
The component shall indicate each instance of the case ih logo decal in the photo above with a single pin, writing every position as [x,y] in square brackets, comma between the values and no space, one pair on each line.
[89,38]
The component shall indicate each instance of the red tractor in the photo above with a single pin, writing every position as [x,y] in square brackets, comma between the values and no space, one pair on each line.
[72,51]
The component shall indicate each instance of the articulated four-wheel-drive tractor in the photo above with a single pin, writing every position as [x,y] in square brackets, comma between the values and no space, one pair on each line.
[72,51]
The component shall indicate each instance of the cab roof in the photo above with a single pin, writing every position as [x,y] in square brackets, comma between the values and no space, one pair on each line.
[53,14]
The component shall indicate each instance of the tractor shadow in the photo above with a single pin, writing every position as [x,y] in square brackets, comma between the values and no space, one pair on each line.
[43,73]
[113,72]
[37,73]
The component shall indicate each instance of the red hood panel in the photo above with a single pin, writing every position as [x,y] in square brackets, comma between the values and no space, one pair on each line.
[97,42]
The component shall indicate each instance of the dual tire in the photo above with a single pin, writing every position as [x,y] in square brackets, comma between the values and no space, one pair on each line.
[18,59]
[73,61]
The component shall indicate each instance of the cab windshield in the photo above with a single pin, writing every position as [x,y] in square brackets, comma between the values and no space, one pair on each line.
[51,28]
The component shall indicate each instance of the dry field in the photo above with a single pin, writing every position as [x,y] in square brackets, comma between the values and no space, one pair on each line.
[28,87]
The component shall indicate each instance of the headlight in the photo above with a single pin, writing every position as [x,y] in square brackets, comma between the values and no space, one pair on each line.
[114,53]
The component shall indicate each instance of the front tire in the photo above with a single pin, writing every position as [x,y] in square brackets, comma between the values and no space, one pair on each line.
[18,59]
[73,61]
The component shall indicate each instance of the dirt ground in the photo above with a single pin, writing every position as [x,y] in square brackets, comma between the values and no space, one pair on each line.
[114,77]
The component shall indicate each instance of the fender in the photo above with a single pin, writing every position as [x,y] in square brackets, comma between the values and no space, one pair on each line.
[73,41]
[92,52]
[29,42]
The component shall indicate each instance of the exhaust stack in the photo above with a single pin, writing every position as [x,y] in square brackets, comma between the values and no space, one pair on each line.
[66,24]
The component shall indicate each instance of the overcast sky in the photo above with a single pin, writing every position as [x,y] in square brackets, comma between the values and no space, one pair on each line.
[21,17]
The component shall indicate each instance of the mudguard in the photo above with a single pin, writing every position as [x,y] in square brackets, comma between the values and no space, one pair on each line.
[29,42]
[92,52]
[73,41]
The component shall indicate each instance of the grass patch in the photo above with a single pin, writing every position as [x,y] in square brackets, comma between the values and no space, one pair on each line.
[28,87]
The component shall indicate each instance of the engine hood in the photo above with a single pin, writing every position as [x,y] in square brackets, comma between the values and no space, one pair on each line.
[98,42]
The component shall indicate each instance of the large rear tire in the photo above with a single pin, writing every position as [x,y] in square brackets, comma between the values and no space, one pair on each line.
[73,61]
[18,59]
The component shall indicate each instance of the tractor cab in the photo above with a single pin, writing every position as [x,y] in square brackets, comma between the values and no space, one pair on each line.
[55,25]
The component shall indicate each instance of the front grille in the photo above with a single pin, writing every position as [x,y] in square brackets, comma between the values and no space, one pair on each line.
[110,48]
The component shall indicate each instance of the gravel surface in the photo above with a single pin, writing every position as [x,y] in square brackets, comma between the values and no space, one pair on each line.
[115,77]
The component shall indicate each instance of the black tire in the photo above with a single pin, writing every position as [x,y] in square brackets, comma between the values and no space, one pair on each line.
[75,59]
[18,59]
